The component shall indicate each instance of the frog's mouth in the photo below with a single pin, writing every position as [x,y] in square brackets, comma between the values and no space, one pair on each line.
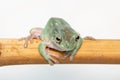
[59,48]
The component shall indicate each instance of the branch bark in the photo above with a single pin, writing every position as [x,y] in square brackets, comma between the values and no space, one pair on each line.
[12,52]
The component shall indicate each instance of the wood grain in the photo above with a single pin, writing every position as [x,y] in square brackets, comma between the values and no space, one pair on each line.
[12,52]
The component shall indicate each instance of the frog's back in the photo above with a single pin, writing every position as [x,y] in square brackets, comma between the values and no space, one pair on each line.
[56,24]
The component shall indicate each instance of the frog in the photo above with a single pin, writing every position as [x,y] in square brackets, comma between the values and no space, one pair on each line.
[58,35]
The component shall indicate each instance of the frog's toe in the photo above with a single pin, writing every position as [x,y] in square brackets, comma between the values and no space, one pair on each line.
[65,56]
[54,55]
[54,60]
[71,58]
[31,40]
[25,45]
[50,54]
[50,62]
[26,41]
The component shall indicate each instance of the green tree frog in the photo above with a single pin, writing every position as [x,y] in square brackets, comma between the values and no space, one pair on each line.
[57,35]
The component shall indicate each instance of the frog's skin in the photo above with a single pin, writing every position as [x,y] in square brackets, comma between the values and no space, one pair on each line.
[57,35]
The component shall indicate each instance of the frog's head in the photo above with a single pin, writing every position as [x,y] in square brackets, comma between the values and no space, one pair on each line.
[65,39]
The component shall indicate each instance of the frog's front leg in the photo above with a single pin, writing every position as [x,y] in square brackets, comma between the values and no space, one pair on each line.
[72,53]
[43,49]
[79,45]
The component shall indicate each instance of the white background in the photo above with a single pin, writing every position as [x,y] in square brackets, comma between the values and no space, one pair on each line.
[97,18]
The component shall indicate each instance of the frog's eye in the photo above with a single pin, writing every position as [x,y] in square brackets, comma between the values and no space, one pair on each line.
[77,38]
[58,40]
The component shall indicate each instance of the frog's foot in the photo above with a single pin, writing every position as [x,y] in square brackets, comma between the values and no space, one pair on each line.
[26,41]
[71,58]
[51,61]
[50,58]
[89,38]
[30,38]
[44,51]
[53,55]
[66,54]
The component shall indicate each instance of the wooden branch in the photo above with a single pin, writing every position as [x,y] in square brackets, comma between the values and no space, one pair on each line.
[92,51]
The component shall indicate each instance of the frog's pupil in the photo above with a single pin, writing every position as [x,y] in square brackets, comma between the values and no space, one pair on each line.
[58,40]
[77,38]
